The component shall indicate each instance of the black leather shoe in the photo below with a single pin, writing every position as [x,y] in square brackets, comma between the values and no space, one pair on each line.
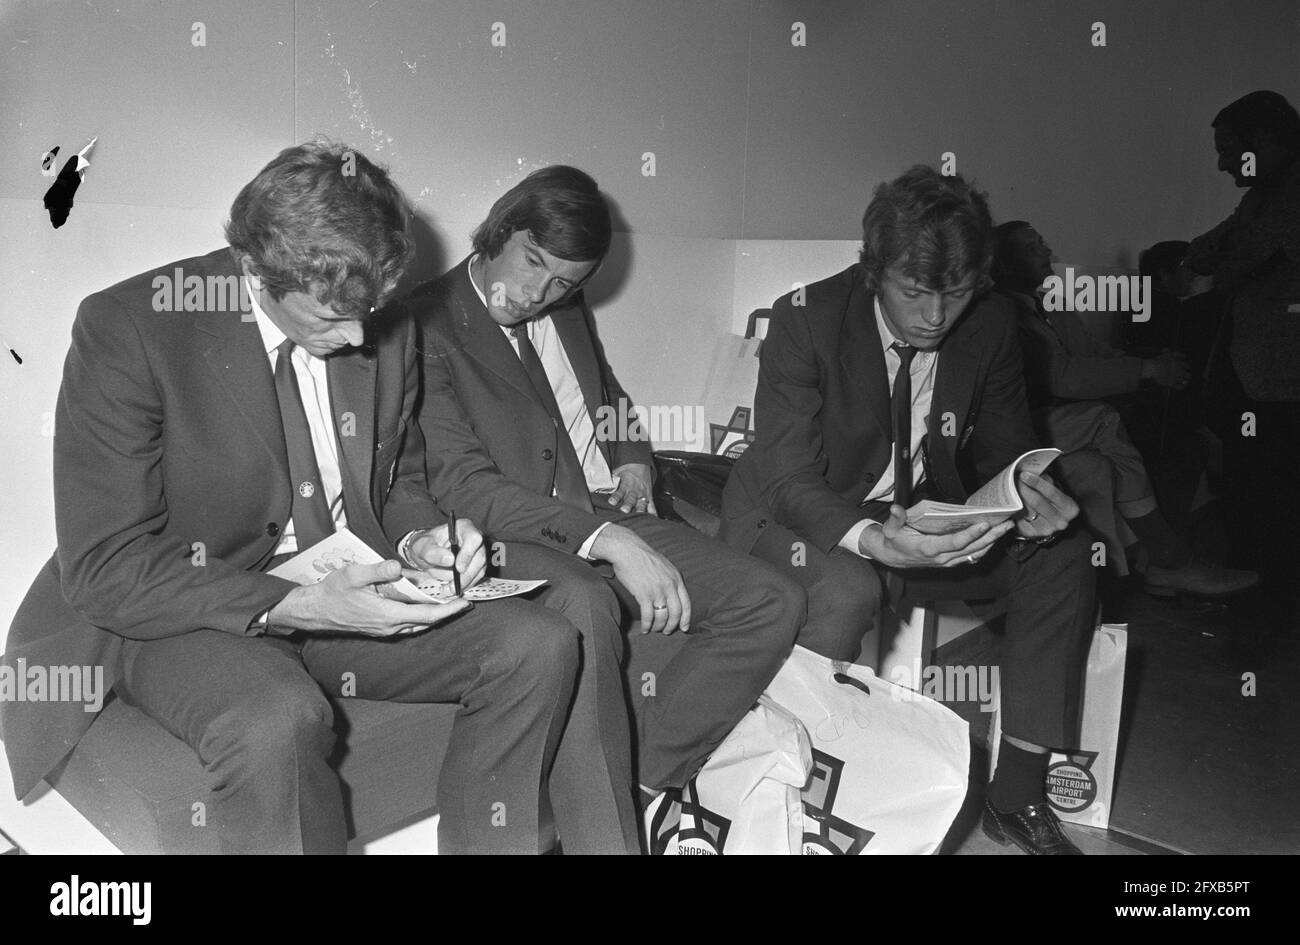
[1034,829]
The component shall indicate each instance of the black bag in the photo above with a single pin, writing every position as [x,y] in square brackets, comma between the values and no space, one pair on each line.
[688,488]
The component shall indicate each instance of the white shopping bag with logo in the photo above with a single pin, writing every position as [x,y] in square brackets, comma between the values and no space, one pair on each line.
[746,797]
[1081,785]
[890,766]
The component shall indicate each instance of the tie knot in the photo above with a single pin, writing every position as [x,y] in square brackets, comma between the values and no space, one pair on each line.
[905,352]
[519,330]
[285,348]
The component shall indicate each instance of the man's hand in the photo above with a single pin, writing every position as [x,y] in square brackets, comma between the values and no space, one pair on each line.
[633,489]
[896,545]
[347,602]
[1168,370]
[430,550]
[1048,510]
[653,580]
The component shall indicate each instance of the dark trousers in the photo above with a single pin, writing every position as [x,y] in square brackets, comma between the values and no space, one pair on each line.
[743,624]
[1049,593]
[255,710]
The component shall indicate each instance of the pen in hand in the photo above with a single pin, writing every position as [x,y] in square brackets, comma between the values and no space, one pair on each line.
[455,553]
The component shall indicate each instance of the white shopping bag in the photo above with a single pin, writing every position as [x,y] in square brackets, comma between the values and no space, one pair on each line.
[890,765]
[1081,785]
[746,797]
[729,396]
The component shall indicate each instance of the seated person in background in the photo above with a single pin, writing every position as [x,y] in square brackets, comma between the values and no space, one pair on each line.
[249,436]
[1069,373]
[900,379]
[1253,378]
[521,415]
[1185,311]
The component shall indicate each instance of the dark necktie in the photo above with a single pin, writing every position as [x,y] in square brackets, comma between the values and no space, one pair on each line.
[311,515]
[570,483]
[901,411]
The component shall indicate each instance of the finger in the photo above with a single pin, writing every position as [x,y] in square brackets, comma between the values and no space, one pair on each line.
[650,506]
[475,572]
[429,556]
[619,492]
[361,575]
[471,546]
[685,598]
[647,614]
[659,614]
[897,519]
[471,558]
[958,540]
[1053,508]
[673,615]
[986,541]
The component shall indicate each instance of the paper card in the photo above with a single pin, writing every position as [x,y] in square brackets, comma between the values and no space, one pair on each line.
[344,548]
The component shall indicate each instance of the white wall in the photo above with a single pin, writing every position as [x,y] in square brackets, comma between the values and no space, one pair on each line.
[755,140]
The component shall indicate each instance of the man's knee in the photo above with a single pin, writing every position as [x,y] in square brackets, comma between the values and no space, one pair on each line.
[849,585]
[585,599]
[541,649]
[781,600]
[275,732]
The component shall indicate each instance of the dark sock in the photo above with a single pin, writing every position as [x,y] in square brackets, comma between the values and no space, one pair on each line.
[1019,780]
[1164,548]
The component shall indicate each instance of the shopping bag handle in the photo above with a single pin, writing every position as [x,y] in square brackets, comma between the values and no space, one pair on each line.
[847,680]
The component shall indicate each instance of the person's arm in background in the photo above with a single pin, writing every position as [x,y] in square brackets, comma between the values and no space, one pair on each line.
[1252,236]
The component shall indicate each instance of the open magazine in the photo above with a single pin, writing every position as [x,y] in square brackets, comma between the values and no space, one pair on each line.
[344,548]
[996,501]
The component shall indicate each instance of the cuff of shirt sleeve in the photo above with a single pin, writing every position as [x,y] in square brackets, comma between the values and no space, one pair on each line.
[404,546]
[585,550]
[852,538]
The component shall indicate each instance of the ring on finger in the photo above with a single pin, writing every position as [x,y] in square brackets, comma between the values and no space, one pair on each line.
[660,606]
[970,558]
[1031,516]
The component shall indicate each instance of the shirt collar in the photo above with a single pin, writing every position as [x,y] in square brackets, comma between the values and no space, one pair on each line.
[272,336]
[887,338]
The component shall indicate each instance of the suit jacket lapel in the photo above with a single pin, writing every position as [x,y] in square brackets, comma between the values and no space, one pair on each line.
[954,388]
[483,338]
[351,378]
[863,358]
[240,366]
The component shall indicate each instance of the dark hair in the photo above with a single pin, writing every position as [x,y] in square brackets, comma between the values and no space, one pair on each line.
[1004,272]
[560,206]
[1162,257]
[936,228]
[1262,111]
[322,219]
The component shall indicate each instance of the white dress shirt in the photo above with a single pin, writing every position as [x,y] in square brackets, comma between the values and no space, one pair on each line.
[925,364]
[313,387]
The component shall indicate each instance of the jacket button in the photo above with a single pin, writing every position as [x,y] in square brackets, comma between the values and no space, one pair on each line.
[869,477]
[762,523]
[272,529]
[547,454]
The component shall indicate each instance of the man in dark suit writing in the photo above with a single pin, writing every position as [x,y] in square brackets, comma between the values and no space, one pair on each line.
[197,449]
[517,404]
[895,380]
